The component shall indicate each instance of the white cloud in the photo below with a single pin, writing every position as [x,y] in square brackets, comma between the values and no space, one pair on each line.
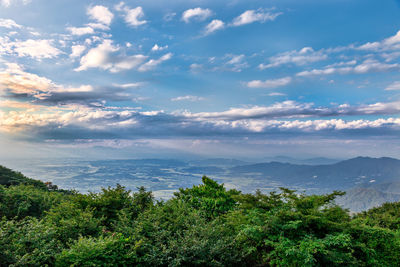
[369,65]
[276,94]
[100,14]
[374,109]
[395,39]
[213,26]
[156,47]
[190,98]
[195,68]
[36,33]
[19,105]
[236,59]
[393,86]
[9,23]
[293,109]
[152,63]
[6,46]
[103,56]
[7,3]
[343,63]
[128,62]
[390,43]
[15,79]
[251,16]
[316,125]
[129,85]
[304,56]
[197,13]
[77,50]
[81,116]
[99,26]
[98,57]
[80,30]
[269,83]
[327,71]
[287,116]
[132,16]
[235,63]
[34,92]
[280,109]
[37,49]
[79,89]
[142,123]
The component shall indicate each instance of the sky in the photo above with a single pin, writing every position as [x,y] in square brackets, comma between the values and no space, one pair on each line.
[199,78]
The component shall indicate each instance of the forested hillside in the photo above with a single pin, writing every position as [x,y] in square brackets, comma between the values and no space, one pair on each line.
[205,225]
[9,177]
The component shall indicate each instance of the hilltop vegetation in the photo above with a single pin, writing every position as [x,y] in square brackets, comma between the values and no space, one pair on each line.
[9,177]
[205,225]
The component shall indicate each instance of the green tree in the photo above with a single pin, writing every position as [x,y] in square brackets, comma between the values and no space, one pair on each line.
[385,216]
[9,177]
[102,251]
[210,197]
[28,242]
[26,200]
[71,222]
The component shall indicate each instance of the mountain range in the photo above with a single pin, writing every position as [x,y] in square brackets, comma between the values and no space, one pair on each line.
[368,182]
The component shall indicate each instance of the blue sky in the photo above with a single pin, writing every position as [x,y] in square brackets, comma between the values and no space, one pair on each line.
[199,78]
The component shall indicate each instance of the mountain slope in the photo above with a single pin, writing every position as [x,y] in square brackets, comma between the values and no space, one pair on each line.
[9,177]
[360,199]
[342,175]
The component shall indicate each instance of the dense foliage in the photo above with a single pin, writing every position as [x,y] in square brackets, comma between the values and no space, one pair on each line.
[205,225]
[9,177]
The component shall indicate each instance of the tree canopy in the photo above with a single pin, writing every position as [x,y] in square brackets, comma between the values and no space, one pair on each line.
[205,225]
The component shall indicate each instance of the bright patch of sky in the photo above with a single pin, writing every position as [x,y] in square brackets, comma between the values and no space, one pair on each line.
[224,76]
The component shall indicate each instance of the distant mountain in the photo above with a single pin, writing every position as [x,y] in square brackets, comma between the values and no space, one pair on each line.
[369,182]
[370,196]
[391,187]
[310,161]
[360,199]
[319,161]
[342,175]
[218,162]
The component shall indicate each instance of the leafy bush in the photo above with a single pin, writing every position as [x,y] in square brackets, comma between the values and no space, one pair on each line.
[9,177]
[386,216]
[28,242]
[205,225]
[71,222]
[26,200]
[102,251]
[210,197]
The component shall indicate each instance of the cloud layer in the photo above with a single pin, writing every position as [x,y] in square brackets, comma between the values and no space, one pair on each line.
[197,70]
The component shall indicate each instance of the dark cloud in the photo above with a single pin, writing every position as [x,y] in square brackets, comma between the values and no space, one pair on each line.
[97,95]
